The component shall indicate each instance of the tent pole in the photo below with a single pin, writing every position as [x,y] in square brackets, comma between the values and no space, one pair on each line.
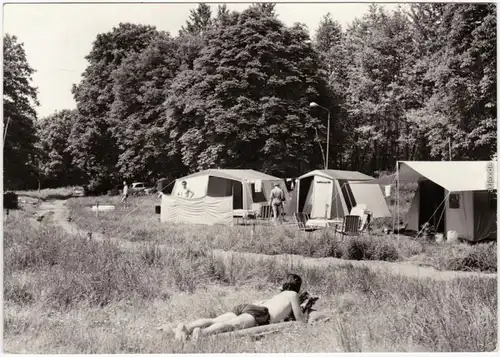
[397,195]
[297,187]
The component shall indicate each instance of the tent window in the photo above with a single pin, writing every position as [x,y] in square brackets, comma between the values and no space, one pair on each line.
[454,201]
[492,199]
[348,195]
[257,196]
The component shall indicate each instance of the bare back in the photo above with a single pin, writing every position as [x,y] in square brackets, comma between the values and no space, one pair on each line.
[280,306]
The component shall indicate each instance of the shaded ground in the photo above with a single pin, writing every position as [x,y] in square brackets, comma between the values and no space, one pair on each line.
[60,218]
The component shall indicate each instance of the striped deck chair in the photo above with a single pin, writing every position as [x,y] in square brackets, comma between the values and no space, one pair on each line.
[350,226]
[266,214]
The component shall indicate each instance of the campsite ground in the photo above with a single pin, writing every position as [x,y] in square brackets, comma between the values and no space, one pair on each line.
[138,223]
[108,296]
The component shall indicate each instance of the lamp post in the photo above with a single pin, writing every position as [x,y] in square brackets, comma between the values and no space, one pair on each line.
[312,105]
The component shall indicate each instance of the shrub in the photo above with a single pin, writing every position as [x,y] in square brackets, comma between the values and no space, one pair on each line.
[370,248]
[481,257]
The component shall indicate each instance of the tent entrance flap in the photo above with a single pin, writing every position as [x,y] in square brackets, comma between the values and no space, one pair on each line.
[222,187]
[237,193]
[432,208]
[485,215]
[305,186]
[322,195]
[348,195]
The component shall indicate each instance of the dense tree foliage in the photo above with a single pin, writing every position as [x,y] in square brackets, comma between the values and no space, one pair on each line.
[19,116]
[458,79]
[56,162]
[245,103]
[92,144]
[140,86]
[380,49]
[232,90]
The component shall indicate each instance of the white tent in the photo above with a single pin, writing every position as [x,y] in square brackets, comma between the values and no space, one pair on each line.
[329,194]
[246,186]
[455,196]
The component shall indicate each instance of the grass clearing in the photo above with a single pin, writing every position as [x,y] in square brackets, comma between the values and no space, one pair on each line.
[49,193]
[67,295]
[138,223]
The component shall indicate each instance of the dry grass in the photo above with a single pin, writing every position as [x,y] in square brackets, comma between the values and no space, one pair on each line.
[68,295]
[138,223]
[49,193]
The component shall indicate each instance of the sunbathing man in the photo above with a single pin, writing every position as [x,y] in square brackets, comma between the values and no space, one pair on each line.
[271,311]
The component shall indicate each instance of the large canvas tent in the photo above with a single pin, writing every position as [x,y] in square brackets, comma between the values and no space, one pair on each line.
[243,185]
[455,196]
[219,192]
[329,194]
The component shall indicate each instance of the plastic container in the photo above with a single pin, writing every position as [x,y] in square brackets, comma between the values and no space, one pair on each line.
[439,237]
[451,236]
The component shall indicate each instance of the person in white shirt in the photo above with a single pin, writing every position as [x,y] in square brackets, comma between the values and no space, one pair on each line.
[276,201]
[185,192]
[125,191]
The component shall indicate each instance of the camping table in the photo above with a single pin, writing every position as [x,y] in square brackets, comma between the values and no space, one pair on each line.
[244,214]
[318,222]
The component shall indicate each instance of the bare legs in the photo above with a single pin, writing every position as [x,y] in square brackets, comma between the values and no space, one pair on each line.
[202,323]
[277,216]
[183,330]
[237,323]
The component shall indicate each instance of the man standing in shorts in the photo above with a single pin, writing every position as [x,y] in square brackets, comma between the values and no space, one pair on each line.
[276,201]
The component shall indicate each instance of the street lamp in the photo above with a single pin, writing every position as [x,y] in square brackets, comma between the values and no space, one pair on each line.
[313,105]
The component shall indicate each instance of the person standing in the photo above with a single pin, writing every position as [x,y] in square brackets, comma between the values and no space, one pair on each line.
[185,191]
[125,192]
[276,201]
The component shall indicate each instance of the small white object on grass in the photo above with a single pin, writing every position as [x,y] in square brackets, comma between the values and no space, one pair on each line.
[103,208]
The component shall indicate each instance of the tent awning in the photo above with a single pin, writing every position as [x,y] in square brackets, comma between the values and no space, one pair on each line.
[454,176]
[373,198]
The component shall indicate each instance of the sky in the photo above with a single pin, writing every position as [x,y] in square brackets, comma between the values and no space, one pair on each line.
[57,37]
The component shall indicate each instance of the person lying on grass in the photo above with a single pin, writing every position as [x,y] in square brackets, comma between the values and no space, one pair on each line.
[283,306]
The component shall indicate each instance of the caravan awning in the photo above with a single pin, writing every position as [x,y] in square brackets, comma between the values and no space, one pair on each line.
[454,176]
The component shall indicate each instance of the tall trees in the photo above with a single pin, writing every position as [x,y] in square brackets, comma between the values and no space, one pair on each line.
[199,22]
[330,44]
[459,78]
[381,48]
[19,100]
[92,145]
[245,103]
[56,161]
[140,88]
[232,90]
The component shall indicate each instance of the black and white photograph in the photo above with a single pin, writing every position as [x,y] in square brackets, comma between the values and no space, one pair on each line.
[249,177]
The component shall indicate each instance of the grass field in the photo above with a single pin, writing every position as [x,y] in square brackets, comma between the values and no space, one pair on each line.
[48,193]
[138,222]
[68,295]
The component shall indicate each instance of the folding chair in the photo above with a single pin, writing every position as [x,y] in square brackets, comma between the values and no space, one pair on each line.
[350,226]
[301,219]
[265,214]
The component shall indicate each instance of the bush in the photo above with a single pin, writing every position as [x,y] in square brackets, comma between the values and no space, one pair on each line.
[370,248]
[481,257]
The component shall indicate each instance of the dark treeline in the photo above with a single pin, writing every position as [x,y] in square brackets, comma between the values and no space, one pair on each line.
[232,90]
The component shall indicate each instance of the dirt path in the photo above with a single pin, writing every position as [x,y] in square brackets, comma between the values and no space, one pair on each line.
[60,219]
